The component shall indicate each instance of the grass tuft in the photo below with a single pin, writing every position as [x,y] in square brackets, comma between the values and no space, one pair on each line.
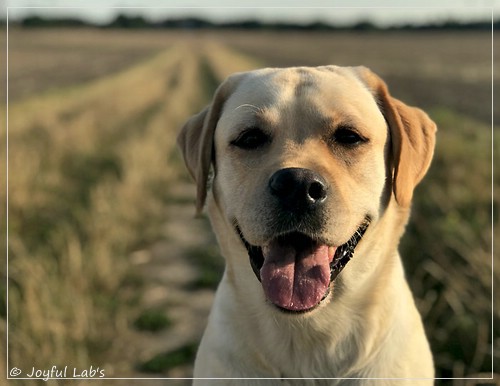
[164,362]
[152,320]
[210,266]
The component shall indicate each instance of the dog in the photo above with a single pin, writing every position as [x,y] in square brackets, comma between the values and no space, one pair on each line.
[308,174]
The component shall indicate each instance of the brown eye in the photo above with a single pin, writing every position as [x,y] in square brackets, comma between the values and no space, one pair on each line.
[251,139]
[348,137]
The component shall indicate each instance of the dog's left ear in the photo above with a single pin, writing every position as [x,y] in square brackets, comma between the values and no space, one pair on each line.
[196,140]
[413,136]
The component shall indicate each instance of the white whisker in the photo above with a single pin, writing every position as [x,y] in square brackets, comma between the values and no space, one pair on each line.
[253,107]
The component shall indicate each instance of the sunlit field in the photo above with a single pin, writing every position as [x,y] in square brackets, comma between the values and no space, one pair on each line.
[108,266]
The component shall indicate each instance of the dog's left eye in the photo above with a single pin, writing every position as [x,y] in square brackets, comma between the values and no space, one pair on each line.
[250,139]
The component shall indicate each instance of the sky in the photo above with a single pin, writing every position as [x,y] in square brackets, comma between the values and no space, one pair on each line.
[381,12]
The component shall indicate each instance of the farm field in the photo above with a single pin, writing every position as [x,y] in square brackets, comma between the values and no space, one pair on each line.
[108,267]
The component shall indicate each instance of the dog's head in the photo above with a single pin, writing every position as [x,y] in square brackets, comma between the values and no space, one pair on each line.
[304,160]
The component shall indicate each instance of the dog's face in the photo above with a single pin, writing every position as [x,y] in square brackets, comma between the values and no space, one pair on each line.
[305,159]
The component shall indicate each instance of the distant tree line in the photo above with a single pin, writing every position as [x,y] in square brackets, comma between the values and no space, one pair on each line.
[193,23]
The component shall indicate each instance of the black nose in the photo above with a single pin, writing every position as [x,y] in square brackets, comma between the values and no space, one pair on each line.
[298,188]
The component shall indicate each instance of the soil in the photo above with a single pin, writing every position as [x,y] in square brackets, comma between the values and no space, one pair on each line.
[166,275]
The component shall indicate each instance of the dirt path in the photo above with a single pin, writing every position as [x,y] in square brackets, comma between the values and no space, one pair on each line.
[167,274]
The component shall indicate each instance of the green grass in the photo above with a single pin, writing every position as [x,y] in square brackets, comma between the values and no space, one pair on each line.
[152,320]
[164,362]
[210,266]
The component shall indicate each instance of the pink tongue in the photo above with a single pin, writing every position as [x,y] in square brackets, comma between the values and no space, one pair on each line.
[296,279]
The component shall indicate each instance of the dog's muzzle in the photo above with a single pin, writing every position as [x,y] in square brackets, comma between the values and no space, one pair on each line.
[295,268]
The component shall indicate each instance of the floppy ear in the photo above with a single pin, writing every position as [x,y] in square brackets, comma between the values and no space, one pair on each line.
[196,141]
[413,137]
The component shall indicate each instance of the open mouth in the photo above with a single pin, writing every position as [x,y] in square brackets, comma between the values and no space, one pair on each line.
[296,271]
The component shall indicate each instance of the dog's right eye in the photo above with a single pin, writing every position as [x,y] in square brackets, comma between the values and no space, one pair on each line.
[251,139]
[347,137]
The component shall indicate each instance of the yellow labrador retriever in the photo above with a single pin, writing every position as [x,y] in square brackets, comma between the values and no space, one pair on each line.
[312,172]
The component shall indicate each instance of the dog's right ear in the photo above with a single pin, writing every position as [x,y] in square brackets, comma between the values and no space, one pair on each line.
[196,140]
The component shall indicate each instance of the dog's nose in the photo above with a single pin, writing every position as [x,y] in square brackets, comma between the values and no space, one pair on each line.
[298,188]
